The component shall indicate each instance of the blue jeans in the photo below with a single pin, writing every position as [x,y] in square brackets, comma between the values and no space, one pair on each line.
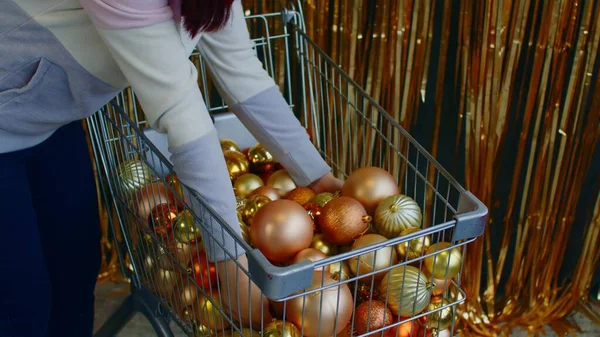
[50,246]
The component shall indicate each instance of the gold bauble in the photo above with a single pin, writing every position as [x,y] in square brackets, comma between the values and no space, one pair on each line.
[206,311]
[319,242]
[267,191]
[281,180]
[244,333]
[185,229]
[395,214]
[229,145]
[133,175]
[372,261]
[253,204]
[443,318]
[239,203]
[339,271]
[323,198]
[202,331]
[244,228]
[279,328]
[246,183]
[370,185]
[443,265]
[188,294]
[440,286]
[260,159]
[237,164]
[173,181]
[407,289]
[308,254]
[414,248]
[301,195]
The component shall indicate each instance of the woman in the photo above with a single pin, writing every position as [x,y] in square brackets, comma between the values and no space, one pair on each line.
[60,61]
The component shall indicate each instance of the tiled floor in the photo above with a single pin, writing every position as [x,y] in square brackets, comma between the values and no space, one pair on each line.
[109,297]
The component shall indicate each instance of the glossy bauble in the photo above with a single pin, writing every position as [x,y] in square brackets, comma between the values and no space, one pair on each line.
[318,242]
[370,185]
[133,175]
[229,145]
[414,248]
[372,261]
[268,191]
[253,204]
[443,265]
[408,290]
[443,318]
[244,333]
[165,282]
[281,180]
[237,164]
[279,328]
[281,229]
[203,272]
[371,316]
[188,293]
[185,229]
[240,203]
[395,214]
[339,271]
[173,181]
[323,198]
[260,159]
[440,286]
[246,183]
[301,195]
[308,254]
[332,308]
[150,196]
[314,211]
[343,220]
[406,329]
[245,229]
[206,311]
[162,218]
[365,292]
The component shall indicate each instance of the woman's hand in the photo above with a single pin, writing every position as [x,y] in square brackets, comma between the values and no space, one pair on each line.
[327,183]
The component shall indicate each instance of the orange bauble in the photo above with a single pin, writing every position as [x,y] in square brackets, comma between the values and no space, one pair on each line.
[371,316]
[309,254]
[301,195]
[343,220]
[281,229]
[370,185]
[268,191]
[406,329]
[203,272]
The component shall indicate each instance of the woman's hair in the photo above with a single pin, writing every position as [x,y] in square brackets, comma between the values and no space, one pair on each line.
[205,15]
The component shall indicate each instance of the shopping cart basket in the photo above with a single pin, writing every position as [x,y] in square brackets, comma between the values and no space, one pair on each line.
[170,279]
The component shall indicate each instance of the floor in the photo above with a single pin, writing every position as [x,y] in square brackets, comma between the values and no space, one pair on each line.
[109,296]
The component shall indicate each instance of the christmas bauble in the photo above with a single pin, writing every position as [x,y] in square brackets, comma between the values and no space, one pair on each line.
[173,181]
[339,271]
[308,254]
[165,282]
[324,311]
[323,198]
[245,229]
[314,211]
[301,195]
[443,318]
[443,265]
[440,286]
[203,331]
[246,183]
[395,214]
[260,159]
[253,204]
[281,180]
[183,252]
[371,316]
[229,145]
[149,196]
[237,164]
[277,308]
[188,294]
[414,248]
[365,292]
[133,175]
[406,329]
[185,229]
[239,203]
[281,229]
[244,333]
[162,218]
[207,311]
[372,261]
[343,220]
[370,185]
[279,328]
[408,290]
[318,242]
[268,191]
[203,272]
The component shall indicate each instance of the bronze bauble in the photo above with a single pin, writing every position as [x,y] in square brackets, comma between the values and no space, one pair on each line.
[229,145]
[318,242]
[237,164]
[281,180]
[268,191]
[260,159]
[281,229]
[301,195]
[253,204]
[407,289]
[343,220]
[279,328]
[308,254]
[443,265]
[395,214]
[370,316]
[246,183]
[372,261]
[414,248]
[370,185]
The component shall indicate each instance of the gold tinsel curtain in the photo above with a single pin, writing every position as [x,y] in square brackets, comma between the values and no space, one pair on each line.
[506,95]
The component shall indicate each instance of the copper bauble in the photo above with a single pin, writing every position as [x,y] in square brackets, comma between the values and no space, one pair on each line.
[206,311]
[203,272]
[395,214]
[268,191]
[244,333]
[237,164]
[339,271]
[408,290]
[281,180]
[314,211]
[162,218]
[365,292]
[332,308]
[308,254]
[260,159]
[277,308]
[185,229]
[370,185]
[281,229]
[318,242]
[323,198]
[188,294]
[229,145]
[406,329]
[343,220]
[172,180]
[440,286]
[246,183]
[443,318]
[253,204]
[279,328]
[414,248]
[372,261]
[443,265]
[371,316]
[133,175]
[150,196]
[301,195]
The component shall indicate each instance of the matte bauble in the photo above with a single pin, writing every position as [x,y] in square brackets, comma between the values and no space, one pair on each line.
[237,164]
[414,248]
[268,191]
[229,145]
[371,316]
[370,185]
[246,183]
[185,229]
[162,218]
[443,318]
[260,159]
[253,204]
[151,196]
[281,180]
[332,308]
[207,312]
[279,328]
[314,211]
[301,195]
[372,261]
[281,229]
[244,333]
[188,294]
[203,272]
[395,214]
[343,220]
[318,242]
[173,181]
[133,175]
[339,271]
[408,290]
[443,265]
[323,198]
[308,254]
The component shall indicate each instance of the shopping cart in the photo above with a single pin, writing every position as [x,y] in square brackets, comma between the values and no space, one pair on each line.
[170,279]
